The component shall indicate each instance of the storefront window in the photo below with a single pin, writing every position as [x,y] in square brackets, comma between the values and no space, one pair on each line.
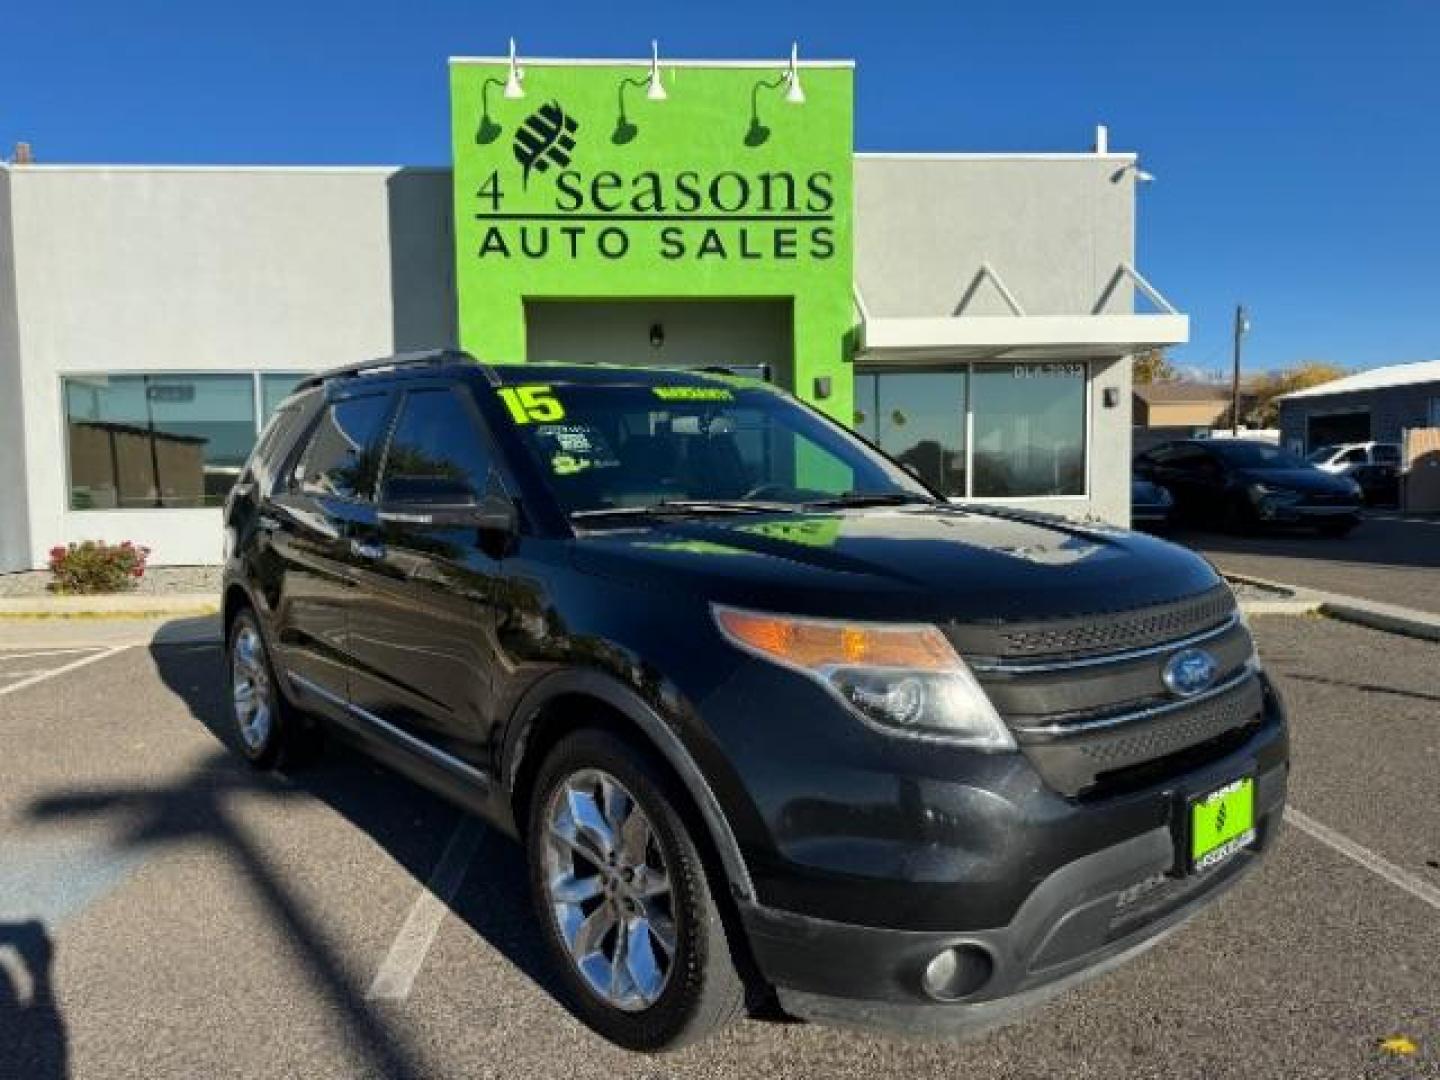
[920,421]
[273,390]
[157,440]
[1029,429]
[1029,426]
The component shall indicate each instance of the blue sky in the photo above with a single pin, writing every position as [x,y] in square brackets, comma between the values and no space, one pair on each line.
[1296,145]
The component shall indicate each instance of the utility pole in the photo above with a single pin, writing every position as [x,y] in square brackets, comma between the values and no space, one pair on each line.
[1242,327]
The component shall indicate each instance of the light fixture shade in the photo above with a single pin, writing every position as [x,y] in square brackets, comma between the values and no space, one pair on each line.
[513,90]
[656,89]
[794,92]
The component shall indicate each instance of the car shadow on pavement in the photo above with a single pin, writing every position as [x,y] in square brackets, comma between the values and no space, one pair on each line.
[409,823]
[33,1042]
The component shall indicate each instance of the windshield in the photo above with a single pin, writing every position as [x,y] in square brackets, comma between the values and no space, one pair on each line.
[1254,455]
[612,447]
[1325,453]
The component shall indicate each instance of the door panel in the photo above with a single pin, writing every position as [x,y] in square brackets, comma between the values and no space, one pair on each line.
[311,521]
[422,626]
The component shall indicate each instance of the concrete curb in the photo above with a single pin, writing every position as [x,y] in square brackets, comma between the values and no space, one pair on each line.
[1387,617]
[1383,617]
[1288,600]
[115,606]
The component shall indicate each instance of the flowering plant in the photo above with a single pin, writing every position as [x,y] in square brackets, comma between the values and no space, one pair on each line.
[92,566]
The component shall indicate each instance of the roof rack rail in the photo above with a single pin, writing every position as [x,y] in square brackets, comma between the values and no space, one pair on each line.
[421,358]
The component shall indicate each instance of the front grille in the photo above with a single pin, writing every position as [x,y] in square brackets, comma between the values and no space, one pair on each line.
[1087,701]
[1089,635]
[1108,760]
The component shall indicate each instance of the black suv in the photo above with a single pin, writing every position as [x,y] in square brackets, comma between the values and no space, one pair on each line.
[771,719]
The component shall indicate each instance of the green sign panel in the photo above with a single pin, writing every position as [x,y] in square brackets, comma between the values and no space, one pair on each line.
[588,188]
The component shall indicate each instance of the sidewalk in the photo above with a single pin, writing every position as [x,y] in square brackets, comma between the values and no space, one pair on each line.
[109,606]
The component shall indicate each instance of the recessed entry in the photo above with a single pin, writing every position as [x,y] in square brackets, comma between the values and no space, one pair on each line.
[748,336]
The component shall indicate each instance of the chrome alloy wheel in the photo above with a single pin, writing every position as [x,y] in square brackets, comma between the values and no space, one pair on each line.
[250,688]
[608,888]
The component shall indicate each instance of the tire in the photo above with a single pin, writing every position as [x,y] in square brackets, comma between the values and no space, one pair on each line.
[583,887]
[1240,517]
[1339,527]
[268,730]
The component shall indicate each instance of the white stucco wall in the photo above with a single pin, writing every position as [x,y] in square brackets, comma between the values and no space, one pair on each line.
[156,269]
[1055,227]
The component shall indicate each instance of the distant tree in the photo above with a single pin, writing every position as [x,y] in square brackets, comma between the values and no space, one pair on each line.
[1258,407]
[1153,366]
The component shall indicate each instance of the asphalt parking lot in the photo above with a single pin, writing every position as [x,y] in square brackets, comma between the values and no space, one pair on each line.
[165,912]
[1388,558]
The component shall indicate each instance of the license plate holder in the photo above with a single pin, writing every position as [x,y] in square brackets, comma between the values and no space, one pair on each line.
[1218,823]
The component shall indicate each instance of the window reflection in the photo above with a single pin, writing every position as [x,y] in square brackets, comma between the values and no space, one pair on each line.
[1029,426]
[1029,429]
[169,441]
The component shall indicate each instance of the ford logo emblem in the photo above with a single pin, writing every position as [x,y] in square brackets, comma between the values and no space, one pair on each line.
[1189,672]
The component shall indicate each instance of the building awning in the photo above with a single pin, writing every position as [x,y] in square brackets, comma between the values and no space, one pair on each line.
[1022,336]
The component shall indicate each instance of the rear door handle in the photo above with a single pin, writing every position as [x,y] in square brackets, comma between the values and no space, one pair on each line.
[367,549]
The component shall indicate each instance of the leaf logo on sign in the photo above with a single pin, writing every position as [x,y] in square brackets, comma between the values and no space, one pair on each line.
[545,138]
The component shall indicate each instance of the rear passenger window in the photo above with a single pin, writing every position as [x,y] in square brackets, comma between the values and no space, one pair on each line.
[437,454]
[344,452]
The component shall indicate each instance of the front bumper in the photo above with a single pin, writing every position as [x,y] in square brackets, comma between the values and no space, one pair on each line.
[1080,920]
[1293,513]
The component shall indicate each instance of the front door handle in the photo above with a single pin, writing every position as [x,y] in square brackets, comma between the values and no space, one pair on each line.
[367,549]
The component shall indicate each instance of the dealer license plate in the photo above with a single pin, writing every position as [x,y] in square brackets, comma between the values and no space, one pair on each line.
[1221,823]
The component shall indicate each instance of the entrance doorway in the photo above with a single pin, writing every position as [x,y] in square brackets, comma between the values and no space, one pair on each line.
[749,337]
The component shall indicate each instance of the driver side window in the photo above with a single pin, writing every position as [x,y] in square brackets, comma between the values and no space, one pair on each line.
[437,454]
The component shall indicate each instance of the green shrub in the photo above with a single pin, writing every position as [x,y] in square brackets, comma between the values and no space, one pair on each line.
[95,567]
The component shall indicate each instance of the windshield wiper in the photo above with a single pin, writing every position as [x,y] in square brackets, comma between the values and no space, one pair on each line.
[872,498]
[687,507]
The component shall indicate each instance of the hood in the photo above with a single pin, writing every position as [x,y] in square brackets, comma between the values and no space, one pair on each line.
[923,563]
[1310,480]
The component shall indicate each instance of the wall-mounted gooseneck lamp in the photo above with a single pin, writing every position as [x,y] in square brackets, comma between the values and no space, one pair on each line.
[625,130]
[513,90]
[656,91]
[758,134]
[657,335]
[794,92]
[489,130]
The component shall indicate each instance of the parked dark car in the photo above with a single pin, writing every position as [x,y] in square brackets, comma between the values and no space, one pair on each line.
[1242,484]
[771,719]
[1151,506]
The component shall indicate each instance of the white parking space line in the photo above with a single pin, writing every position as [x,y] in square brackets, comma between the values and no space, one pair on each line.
[22,653]
[1406,520]
[1376,864]
[396,976]
[61,670]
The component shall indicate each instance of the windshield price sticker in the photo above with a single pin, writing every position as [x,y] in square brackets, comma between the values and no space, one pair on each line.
[532,404]
[693,393]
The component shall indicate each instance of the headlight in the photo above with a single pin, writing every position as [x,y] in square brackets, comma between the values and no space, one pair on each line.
[902,678]
[1264,492]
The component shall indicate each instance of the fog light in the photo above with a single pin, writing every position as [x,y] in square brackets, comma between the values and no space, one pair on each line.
[958,972]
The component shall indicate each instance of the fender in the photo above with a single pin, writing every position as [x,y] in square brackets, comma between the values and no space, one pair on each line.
[661,736]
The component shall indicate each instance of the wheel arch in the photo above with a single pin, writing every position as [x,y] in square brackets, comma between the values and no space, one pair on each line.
[548,710]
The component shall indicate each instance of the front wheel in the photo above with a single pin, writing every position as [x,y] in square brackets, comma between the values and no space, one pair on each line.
[625,904]
[269,730]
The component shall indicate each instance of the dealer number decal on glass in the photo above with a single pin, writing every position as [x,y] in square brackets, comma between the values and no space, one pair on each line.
[1048,371]
[534,404]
